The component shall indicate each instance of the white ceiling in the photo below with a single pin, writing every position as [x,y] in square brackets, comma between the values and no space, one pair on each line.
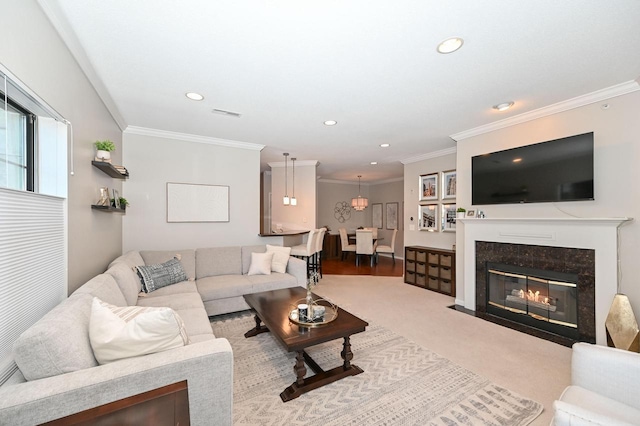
[289,65]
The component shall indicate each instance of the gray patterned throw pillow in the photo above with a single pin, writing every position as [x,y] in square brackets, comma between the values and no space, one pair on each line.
[161,275]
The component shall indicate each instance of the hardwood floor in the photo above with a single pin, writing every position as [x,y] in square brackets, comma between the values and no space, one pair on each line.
[384,268]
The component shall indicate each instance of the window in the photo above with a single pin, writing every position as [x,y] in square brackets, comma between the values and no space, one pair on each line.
[33,212]
[16,153]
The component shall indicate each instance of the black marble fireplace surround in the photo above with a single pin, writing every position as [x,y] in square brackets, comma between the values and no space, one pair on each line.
[558,259]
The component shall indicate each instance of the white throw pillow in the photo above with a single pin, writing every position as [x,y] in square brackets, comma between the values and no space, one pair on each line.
[121,332]
[280,258]
[260,264]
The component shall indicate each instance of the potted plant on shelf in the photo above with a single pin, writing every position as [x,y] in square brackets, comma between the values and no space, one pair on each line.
[123,203]
[461,211]
[103,149]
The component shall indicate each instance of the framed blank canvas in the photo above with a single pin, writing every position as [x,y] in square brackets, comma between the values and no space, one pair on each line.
[190,202]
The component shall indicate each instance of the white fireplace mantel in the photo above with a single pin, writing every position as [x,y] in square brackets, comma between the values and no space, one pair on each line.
[599,234]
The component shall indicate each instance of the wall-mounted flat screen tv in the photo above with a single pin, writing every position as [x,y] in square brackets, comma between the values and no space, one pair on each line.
[557,170]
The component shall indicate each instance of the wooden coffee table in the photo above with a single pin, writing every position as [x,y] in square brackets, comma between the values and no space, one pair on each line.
[272,308]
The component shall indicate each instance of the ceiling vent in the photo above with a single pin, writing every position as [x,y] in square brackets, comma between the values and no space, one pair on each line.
[227,113]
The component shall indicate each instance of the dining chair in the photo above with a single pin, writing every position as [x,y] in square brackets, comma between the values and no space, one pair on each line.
[344,241]
[318,253]
[306,251]
[375,232]
[390,248]
[365,245]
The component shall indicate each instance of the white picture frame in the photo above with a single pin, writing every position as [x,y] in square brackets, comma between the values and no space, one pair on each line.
[428,187]
[449,184]
[190,202]
[428,217]
[448,216]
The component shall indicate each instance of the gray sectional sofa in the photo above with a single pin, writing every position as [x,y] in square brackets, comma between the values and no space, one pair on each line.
[58,374]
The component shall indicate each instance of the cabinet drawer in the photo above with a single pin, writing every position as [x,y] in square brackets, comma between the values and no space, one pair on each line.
[433,258]
[421,280]
[433,270]
[445,286]
[433,283]
[445,273]
[411,266]
[421,268]
[410,277]
[421,256]
[445,259]
[411,255]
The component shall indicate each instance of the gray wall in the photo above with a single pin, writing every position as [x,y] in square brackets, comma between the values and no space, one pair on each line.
[153,161]
[32,50]
[389,192]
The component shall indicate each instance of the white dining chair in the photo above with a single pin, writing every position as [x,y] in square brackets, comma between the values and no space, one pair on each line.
[307,250]
[390,248]
[375,232]
[365,245]
[344,242]
[318,253]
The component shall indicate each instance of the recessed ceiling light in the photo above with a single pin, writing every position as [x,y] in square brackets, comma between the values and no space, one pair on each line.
[517,160]
[385,145]
[503,106]
[194,96]
[330,123]
[373,163]
[450,45]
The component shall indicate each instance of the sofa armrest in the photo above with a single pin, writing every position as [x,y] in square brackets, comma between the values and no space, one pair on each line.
[206,366]
[613,373]
[575,415]
[298,268]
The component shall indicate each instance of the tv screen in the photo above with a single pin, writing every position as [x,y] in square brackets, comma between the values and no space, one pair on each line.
[557,170]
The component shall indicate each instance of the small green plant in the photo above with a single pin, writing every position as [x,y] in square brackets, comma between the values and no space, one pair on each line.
[123,202]
[105,145]
[461,210]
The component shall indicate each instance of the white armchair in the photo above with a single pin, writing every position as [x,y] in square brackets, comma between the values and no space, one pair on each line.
[605,388]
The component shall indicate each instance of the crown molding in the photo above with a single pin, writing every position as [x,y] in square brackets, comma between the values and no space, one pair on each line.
[343,182]
[68,36]
[301,163]
[579,101]
[186,137]
[429,155]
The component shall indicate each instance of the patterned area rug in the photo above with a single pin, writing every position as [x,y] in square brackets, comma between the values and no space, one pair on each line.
[402,384]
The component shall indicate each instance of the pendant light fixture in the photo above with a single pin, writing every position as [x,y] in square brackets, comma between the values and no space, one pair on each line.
[294,202]
[360,203]
[285,199]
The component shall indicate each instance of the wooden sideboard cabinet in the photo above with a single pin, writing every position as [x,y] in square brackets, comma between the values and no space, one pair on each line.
[431,268]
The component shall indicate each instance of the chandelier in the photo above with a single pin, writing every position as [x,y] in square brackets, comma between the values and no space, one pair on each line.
[360,203]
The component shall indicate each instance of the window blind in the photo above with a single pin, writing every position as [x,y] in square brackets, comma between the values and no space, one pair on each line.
[33,264]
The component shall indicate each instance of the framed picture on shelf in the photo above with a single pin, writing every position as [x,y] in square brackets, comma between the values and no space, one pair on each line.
[429,187]
[376,211]
[471,213]
[448,218]
[392,215]
[448,184]
[116,199]
[428,217]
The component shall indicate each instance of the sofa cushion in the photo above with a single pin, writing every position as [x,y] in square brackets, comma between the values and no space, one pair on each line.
[579,406]
[173,301]
[187,258]
[280,258]
[211,262]
[223,286]
[127,280]
[260,264]
[179,288]
[131,259]
[105,288]
[161,275]
[124,332]
[196,321]
[59,342]
[246,256]
[275,281]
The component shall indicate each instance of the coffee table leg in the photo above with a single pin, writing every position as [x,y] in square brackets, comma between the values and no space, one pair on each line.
[259,328]
[299,368]
[346,353]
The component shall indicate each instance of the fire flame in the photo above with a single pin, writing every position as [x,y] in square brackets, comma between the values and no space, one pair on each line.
[535,297]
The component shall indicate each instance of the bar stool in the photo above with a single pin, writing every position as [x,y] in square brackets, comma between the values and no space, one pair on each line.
[306,251]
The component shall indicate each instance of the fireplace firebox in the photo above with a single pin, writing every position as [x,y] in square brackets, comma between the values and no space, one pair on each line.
[543,299]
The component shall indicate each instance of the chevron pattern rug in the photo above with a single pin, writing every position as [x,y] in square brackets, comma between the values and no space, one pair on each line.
[402,384]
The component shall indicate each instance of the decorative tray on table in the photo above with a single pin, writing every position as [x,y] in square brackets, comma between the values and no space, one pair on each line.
[319,312]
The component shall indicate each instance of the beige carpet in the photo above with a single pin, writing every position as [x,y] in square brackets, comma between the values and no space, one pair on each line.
[530,366]
[402,384]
